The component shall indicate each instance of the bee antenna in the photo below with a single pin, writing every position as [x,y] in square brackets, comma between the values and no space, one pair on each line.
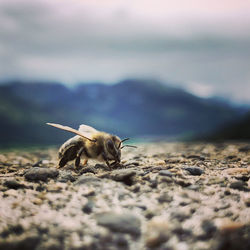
[130,146]
[123,141]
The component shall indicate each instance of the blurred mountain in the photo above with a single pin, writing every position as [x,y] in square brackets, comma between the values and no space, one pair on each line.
[237,130]
[130,108]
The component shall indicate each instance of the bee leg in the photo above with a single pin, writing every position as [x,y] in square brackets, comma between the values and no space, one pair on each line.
[78,157]
[77,162]
[62,162]
[108,165]
[106,160]
[114,164]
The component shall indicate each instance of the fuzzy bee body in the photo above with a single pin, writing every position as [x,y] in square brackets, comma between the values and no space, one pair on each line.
[69,150]
[89,143]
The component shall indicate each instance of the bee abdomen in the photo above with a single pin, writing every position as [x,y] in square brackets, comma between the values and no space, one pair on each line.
[68,151]
[69,155]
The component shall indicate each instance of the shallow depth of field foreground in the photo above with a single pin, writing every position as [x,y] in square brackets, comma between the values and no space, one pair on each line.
[162,196]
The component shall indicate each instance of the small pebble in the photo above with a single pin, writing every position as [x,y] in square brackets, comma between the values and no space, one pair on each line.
[13,184]
[41,174]
[124,223]
[194,170]
[240,185]
[165,173]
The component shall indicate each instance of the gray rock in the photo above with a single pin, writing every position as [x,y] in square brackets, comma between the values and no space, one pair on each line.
[100,166]
[131,163]
[88,170]
[124,223]
[13,184]
[88,207]
[29,242]
[194,170]
[244,149]
[87,179]
[165,198]
[183,183]
[242,178]
[180,215]
[240,185]
[198,157]
[51,244]
[121,241]
[66,176]
[41,174]
[194,187]
[166,179]
[183,234]
[247,202]
[222,206]
[123,175]
[165,173]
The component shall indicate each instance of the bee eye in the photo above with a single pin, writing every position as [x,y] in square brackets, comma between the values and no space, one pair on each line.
[110,144]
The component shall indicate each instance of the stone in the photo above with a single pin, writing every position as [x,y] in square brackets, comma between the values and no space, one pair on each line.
[13,184]
[165,198]
[247,202]
[123,223]
[194,170]
[11,192]
[37,164]
[174,160]
[123,175]
[12,229]
[66,176]
[244,178]
[165,173]
[87,180]
[121,241]
[100,166]
[41,174]
[183,183]
[181,211]
[183,234]
[28,242]
[198,157]
[51,244]
[157,232]
[222,206]
[240,185]
[244,149]
[180,215]
[194,187]
[3,158]
[88,207]
[87,170]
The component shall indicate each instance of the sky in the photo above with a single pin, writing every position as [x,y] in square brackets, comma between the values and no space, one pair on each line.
[201,45]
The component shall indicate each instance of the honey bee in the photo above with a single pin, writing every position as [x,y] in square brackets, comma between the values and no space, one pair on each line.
[90,143]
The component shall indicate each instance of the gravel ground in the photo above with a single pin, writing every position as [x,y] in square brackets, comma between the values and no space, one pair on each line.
[171,196]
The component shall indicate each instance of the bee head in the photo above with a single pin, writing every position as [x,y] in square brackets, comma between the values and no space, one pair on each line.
[113,149]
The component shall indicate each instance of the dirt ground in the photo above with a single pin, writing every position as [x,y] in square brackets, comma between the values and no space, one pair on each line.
[173,196]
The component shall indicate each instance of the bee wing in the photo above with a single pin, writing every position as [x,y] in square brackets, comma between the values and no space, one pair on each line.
[87,130]
[70,130]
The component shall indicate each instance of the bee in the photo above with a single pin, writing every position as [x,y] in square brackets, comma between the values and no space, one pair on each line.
[90,143]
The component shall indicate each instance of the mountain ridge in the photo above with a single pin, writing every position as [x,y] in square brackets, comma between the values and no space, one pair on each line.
[129,108]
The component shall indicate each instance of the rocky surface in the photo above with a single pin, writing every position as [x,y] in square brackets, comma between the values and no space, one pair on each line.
[163,196]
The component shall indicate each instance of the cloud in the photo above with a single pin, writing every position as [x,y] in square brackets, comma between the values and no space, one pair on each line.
[181,41]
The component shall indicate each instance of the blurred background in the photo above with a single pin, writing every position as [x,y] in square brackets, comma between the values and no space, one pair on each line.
[153,70]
